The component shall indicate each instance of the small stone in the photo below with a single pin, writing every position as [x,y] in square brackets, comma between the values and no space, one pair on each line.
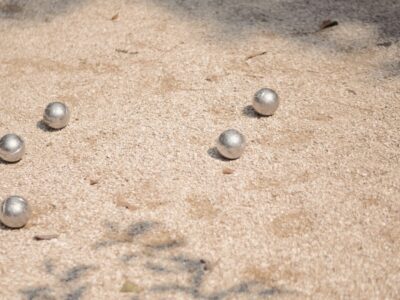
[228,171]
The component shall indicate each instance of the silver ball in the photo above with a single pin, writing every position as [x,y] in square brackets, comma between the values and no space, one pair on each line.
[56,115]
[12,148]
[15,212]
[231,144]
[266,102]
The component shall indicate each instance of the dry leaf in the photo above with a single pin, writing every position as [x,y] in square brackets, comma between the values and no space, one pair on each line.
[130,287]
[93,181]
[126,51]
[384,44]
[114,17]
[45,237]
[121,51]
[327,24]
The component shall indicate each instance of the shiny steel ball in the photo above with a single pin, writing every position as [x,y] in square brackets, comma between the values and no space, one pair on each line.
[56,115]
[15,212]
[266,102]
[12,148]
[231,144]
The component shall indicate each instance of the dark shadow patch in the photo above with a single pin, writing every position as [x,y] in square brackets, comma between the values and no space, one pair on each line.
[391,69]
[156,268]
[111,226]
[103,244]
[140,228]
[288,18]
[75,294]
[189,264]
[38,293]
[162,288]
[252,289]
[128,257]
[269,292]
[242,288]
[75,273]
[167,245]
[198,277]
[196,267]
[49,266]
[10,9]
[213,153]
[116,236]
[37,10]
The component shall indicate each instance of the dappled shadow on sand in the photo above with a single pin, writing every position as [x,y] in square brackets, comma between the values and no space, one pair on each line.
[289,17]
[230,17]
[41,10]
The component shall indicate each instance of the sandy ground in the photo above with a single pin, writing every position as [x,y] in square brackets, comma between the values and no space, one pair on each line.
[133,187]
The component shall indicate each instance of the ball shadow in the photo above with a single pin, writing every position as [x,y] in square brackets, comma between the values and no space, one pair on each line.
[3,162]
[213,153]
[4,227]
[249,112]
[42,126]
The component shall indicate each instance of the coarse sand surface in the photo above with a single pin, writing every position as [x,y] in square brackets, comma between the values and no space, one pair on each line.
[131,200]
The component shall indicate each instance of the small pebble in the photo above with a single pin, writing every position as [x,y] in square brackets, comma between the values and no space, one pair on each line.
[231,144]
[266,102]
[228,171]
[12,148]
[15,212]
[56,115]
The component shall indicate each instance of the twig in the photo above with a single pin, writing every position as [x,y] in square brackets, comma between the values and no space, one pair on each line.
[255,55]
[45,237]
